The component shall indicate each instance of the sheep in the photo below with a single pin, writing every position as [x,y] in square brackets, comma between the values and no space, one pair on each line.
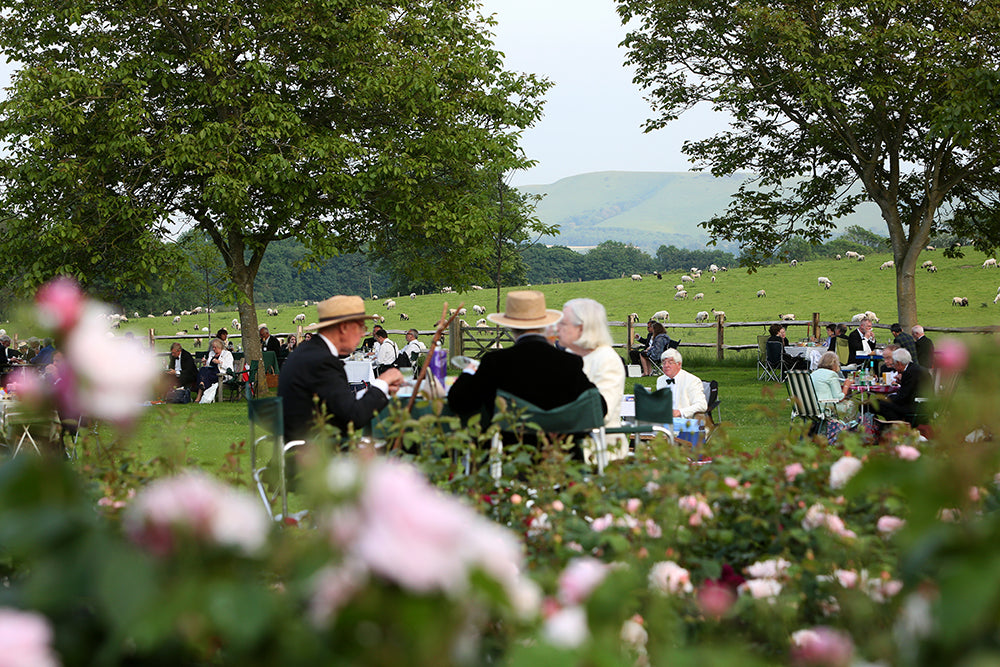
[827,285]
[378,318]
[861,258]
[996,299]
[633,317]
[301,317]
[990,263]
[713,278]
[185,313]
[959,301]
[404,316]
[679,287]
[822,280]
[271,312]
[702,316]
[305,304]
[135,314]
[887,265]
[837,257]
[182,332]
[477,287]
[660,315]
[446,290]
[659,276]
[699,296]
[930,248]
[687,279]
[857,317]
[850,254]
[926,264]
[204,329]
[681,294]
[713,268]
[390,304]
[413,295]
[167,313]
[788,317]
[794,262]
[636,276]
[197,342]
[719,313]
[479,310]
[452,311]
[235,322]
[761,294]
[872,316]
[198,310]
[374,297]
[177,319]
[931,269]
[462,311]
[482,322]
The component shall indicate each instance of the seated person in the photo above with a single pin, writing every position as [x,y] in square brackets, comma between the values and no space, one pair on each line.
[826,380]
[861,341]
[659,342]
[831,337]
[777,332]
[223,335]
[44,355]
[387,352]
[688,391]
[181,368]
[412,346]
[641,342]
[531,369]
[287,348]
[268,343]
[887,364]
[368,345]
[914,382]
[218,361]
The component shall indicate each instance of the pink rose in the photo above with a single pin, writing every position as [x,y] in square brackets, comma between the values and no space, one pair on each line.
[715,600]
[761,589]
[847,578]
[889,524]
[792,471]
[822,646]
[25,640]
[579,579]
[773,568]
[60,303]
[951,355]
[333,587]
[731,482]
[632,505]
[669,577]
[843,470]
[557,505]
[566,628]
[602,523]
[907,453]
[653,529]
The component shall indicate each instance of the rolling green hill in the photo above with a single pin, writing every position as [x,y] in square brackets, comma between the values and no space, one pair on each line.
[646,209]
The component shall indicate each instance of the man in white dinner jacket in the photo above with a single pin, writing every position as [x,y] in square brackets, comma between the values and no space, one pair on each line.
[688,391]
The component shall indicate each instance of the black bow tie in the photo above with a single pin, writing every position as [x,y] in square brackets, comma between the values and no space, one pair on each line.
[670,380]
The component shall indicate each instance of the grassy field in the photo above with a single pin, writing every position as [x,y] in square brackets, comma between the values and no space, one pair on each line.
[751,409]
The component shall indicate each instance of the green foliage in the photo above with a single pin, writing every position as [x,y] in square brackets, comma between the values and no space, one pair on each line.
[832,106]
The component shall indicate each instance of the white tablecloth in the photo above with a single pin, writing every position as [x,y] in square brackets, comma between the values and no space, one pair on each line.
[811,354]
[359,371]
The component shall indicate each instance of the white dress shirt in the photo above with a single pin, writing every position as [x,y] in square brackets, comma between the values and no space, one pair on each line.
[381,385]
[688,392]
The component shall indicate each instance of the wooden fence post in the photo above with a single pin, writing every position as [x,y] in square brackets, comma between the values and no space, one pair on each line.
[152,338]
[815,327]
[628,337]
[721,338]
[456,346]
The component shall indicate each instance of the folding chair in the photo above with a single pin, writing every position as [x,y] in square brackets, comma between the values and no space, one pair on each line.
[712,398]
[583,415]
[236,386]
[840,346]
[654,412]
[805,405]
[775,362]
[763,370]
[18,426]
[265,415]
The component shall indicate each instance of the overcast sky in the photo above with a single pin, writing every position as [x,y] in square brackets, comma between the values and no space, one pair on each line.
[594,113]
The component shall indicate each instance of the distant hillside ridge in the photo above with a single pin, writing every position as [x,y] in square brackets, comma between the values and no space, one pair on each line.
[647,209]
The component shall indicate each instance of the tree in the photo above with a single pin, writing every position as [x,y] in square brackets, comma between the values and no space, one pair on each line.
[341,124]
[897,97]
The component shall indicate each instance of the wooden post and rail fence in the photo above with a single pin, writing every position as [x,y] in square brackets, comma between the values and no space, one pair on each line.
[462,339]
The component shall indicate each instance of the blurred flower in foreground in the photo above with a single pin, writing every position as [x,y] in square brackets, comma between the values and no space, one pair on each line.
[403,529]
[669,577]
[951,355]
[822,646]
[579,579]
[843,470]
[60,304]
[195,505]
[566,628]
[25,640]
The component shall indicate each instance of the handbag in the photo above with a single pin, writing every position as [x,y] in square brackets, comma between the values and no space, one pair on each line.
[178,395]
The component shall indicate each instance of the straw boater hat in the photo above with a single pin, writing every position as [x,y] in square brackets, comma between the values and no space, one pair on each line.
[525,310]
[338,309]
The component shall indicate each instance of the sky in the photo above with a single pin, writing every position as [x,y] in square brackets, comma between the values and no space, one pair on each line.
[594,113]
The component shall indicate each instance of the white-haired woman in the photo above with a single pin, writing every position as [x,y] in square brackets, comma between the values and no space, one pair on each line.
[219,360]
[583,330]
[826,381]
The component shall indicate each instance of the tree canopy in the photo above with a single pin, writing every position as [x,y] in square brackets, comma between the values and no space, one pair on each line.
[832,104]
[341,124]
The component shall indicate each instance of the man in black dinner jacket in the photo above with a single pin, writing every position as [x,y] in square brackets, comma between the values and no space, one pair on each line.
[861,341]
[914,382]
[532,369]
[314,378]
